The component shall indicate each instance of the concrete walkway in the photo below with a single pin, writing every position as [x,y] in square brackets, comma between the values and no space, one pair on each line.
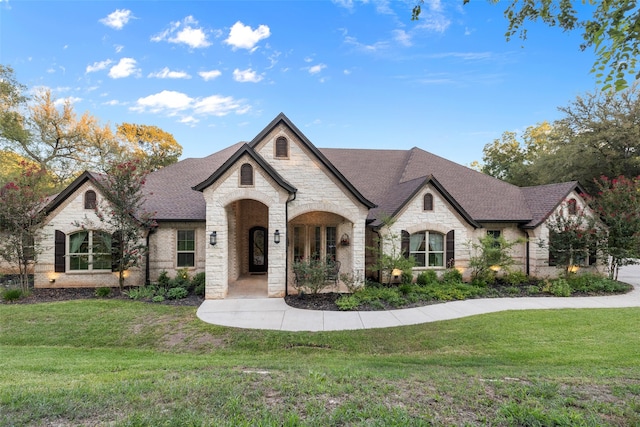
[275,314]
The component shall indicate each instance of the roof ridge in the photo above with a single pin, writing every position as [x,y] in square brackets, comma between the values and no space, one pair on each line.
[410,155]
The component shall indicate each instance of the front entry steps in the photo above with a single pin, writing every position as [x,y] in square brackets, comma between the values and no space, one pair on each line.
[248,287]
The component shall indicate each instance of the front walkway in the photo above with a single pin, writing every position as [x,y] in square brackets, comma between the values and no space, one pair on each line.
[275,314]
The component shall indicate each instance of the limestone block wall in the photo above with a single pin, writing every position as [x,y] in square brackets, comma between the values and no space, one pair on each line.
[64,218]
[318,191]
[222,218]
[163,248]
[443,218]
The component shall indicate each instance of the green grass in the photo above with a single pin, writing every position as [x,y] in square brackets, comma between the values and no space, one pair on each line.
[125,363]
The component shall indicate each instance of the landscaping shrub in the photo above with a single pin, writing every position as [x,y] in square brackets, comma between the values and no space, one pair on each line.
[595,284]
[163,278]
[12,294]
[348,302]
[141,292]
[102,292]
[406,288]
[515,278]
[157,298]
[177,293]
[451,275]
[181,280]
[198,284]
[353,281]
[311,275]
[558,288]
[427,278]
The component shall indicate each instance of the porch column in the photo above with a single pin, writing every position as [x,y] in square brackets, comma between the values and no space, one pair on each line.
[277,251]
[216,269]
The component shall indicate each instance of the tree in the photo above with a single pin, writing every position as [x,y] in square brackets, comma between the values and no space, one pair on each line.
[598,135]
[64,144]
[613,31]
[489,255]
[574,236]
[21,220]
[121,212]
[389,254]
[617,203]
[511,159]
[151,145]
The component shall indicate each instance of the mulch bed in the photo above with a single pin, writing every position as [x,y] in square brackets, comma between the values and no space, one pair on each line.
[67,294]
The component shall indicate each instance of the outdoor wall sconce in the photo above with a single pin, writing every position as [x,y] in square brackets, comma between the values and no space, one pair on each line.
[52,280]
[213,238]
[276,237]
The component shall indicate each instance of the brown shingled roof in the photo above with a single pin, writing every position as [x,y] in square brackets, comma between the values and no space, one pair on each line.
[168,191]
[544,199]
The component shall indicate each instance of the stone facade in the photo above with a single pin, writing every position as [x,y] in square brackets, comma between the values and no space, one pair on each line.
[70,217]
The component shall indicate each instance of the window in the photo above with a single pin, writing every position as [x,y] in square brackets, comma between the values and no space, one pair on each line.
[186,248]
[282,148]
[428,202]
[90,199]
[427,248]
[496,235]
[314,241]
[246,174]
[572,206]
[90,250]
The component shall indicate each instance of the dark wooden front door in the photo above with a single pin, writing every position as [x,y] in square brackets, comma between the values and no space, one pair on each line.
[258,250]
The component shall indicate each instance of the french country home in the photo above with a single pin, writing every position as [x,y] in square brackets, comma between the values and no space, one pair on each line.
[255,208]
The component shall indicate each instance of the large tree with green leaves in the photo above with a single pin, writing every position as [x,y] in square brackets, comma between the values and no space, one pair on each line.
[610,27]
[617,203]
[122,214]
[65,144]
[22,219]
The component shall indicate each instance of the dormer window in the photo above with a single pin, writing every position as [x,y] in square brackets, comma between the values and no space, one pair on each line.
[90,199]
[428,202]
[282,148]
[246,175]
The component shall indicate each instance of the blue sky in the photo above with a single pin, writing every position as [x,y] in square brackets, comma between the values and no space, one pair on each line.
[356,74]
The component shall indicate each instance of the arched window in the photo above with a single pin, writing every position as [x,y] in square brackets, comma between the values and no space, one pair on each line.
[282,148]
[90,199]
[428,202]
[90,250]
[572,206]
[427,248]
[246,174]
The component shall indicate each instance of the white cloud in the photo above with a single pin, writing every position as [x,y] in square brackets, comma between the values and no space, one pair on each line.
[118,48]
[243,37]
[217,105]
[118,19]
[317,68]
[97,66]
[184,32]
[112,102]
[246,76]
[165,73]
[125,68]
[173,103]
[63,101]
[402,37]
[435,22]
[210,75]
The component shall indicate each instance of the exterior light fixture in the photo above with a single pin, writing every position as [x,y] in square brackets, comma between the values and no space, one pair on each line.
[52,280]
[495,268]
[213,238]
[573,268]
[276,237]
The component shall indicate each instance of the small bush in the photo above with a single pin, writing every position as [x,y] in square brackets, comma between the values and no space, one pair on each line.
[102,292]
[353,281]
[163,278]
[515,278]
[533,290]
[157,298]
[427,278]
[177,293]
[451,275]
[141,292]
[12,294]
[559,288]
[405,288]
[348,302]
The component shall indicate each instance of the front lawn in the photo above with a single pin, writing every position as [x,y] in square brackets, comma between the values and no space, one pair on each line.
[127,363]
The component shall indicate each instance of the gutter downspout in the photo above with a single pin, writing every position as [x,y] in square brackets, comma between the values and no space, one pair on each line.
[286,243]
[527,254]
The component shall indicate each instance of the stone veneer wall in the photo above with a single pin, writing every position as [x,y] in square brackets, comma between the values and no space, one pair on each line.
[163,248]
[63,218]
